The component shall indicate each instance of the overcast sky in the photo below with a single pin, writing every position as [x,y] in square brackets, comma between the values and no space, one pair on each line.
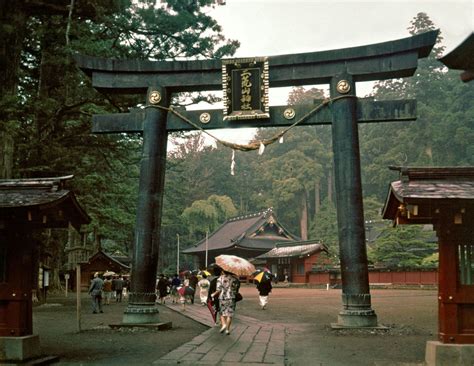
[276,27]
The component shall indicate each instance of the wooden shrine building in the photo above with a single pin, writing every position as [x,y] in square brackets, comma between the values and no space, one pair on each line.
[244,236]
[445,198]
[100,262]
[294,261]
[27,206]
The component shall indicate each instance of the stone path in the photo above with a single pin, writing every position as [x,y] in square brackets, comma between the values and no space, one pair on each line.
[251,342]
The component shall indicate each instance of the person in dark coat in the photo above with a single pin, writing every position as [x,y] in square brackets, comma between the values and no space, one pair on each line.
[117,285]
[214,301]
[264,288]
[95,290]
[162,287]
[175,283]
[193,281]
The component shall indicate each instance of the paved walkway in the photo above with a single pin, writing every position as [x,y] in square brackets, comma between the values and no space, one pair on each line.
[250,342]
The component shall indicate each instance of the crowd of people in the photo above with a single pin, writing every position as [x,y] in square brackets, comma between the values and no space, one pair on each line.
[218,289]
[102,291]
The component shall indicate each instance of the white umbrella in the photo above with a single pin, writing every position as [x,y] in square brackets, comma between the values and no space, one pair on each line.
[236,265]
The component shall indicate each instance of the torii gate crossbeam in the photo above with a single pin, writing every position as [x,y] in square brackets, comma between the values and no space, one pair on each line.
[341,69]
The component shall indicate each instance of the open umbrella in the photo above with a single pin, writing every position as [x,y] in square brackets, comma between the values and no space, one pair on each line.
[204,272]
[109,273]
[262,276]
[236,265]
[211,305]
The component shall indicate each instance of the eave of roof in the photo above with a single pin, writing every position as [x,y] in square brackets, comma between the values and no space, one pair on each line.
[294,250]
[102,253]
[20,195]
[461,58]
[440,183]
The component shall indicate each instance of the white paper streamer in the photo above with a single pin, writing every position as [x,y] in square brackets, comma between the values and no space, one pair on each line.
[232,164]
[280,140]
[261,149]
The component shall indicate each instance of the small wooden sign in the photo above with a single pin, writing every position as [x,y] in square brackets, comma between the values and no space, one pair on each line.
[245,87]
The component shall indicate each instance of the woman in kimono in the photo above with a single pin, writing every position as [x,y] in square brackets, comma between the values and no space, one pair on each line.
[227,288]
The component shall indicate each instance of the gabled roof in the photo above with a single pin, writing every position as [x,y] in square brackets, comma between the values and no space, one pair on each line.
[298,249]
[40,201]
[106,256]
[256,231]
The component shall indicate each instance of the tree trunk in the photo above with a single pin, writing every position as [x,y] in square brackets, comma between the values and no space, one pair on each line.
[304,217]
[13,30]
[317,196]
[6,155]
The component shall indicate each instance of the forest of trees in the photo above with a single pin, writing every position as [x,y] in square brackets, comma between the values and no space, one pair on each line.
[45,122]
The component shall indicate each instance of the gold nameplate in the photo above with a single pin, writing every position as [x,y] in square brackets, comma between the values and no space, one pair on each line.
[245,86]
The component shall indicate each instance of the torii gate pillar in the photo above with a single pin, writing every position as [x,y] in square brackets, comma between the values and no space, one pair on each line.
[357,311]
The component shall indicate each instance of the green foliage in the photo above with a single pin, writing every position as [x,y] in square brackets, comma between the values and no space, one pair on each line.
[49,102]
[403,246]
[205,215]
[324,227]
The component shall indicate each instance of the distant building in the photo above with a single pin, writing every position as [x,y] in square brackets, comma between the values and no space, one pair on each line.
[293,262]
[100,262]
[245,236]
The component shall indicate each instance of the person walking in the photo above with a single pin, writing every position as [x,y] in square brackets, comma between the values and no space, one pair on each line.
[95,290]
[203,289]
[214,301]
[117,285]
[227,288]
[264,288]
[175,283]
[193,281]
[107,290]
[162,287]
[182,292]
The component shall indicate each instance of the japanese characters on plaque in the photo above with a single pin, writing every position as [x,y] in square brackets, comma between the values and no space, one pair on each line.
[245,86]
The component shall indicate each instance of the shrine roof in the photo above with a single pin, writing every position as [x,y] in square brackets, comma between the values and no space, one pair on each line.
[254,231]
[433,183]
[296,249]
[101,254]
[47,195]
[461,58]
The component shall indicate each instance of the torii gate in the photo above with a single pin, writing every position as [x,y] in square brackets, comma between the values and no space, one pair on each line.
[340,68]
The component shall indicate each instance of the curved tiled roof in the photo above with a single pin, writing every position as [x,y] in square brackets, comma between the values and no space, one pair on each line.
[45,195]
[431,183]
[243,232]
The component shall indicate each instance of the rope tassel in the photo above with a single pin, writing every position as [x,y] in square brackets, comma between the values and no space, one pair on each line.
[232,164]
